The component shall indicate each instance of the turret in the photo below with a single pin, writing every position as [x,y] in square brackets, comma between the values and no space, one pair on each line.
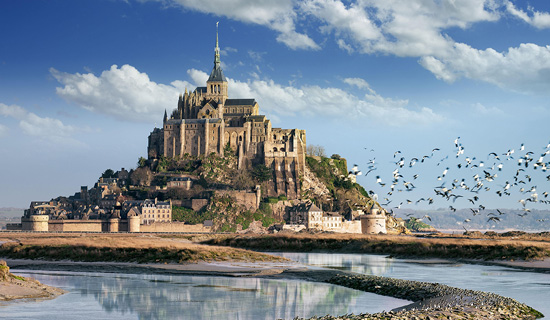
[165,116]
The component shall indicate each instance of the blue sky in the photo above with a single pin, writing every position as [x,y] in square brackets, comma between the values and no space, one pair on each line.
[82,83]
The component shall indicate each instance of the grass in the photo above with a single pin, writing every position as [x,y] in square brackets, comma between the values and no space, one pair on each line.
[403,246]
[122,248]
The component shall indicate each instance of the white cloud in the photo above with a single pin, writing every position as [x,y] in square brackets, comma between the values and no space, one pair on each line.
[400,27]
[227,50]
[417,28]
[277,15]
[358,82]
[13,111]
[438,68]
[124,93]
[332,102]
[540,20]
[127,94]
[41,127]
[404,28]
[3,130]
[480,108]
[525,68]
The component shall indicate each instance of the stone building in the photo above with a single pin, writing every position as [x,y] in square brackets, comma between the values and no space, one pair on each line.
[150,211]
[207,121]
[184,183]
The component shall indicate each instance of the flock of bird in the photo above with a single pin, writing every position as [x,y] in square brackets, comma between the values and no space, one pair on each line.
[467,179]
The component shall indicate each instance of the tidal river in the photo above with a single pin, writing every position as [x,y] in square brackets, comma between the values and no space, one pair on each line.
[138,296]
[531,288]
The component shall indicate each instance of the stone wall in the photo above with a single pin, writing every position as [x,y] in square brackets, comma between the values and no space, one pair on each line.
[174,227]
[351,227]
[194,204]
[244,198]
[76,225]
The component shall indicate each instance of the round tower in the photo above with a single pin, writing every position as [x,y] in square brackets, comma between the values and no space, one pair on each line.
[134,224]
[39,222]
[374,222]
[113,224]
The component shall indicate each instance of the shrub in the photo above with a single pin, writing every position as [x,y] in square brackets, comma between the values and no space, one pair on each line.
[272,200]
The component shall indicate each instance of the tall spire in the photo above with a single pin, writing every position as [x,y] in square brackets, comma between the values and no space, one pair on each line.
[217,50]
[217,73]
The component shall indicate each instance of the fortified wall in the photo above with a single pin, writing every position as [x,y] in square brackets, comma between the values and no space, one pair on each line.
[42,223]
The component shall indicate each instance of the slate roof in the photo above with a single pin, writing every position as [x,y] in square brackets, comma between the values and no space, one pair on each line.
[217,74]
[240,102]
[193,121]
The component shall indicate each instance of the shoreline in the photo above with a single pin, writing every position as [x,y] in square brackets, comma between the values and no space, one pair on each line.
[14,288]
[427,299]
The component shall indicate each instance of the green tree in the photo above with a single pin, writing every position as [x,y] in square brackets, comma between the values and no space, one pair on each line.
[142,162]
[262,173]
[109,173]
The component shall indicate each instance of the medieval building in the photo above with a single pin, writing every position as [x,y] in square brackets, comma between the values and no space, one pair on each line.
[206,121]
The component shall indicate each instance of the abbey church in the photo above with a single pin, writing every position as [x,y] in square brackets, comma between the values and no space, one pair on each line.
[206,121]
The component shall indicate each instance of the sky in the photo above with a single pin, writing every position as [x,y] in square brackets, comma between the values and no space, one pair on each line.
[83,83]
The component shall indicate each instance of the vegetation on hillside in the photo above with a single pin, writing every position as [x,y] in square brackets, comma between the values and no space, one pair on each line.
[333,173]
[415,224]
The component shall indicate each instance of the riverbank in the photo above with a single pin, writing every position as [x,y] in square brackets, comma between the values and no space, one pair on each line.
[13,287]
[447,247]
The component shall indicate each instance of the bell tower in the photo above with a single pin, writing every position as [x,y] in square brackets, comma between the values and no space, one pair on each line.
[216,86]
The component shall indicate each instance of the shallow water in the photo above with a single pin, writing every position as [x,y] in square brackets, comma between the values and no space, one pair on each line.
[115,296]
[531,288]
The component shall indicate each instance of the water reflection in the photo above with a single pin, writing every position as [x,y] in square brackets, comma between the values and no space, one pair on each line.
[531,288]
[186,297]
[360,263]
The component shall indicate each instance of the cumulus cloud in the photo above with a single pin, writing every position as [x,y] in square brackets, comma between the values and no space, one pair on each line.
[129,95]
[41,127]
[278,15]
[124,93]
[277,99]
[417,28]
[13,111]
[525,68]
[540,20]
[400,27]
[358,82]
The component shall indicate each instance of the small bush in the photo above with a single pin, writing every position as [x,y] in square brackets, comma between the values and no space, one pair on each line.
[272,200]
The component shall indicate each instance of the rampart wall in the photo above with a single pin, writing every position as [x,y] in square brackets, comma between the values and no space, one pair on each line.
[174,227]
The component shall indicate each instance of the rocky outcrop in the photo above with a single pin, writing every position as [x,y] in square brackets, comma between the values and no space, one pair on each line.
[14,287]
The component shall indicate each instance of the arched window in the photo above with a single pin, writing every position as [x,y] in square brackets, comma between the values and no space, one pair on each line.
[274,149]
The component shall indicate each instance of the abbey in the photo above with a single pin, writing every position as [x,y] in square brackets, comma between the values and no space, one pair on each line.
[206,121]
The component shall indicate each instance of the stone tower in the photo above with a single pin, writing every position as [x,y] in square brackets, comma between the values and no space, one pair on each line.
[216,86]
